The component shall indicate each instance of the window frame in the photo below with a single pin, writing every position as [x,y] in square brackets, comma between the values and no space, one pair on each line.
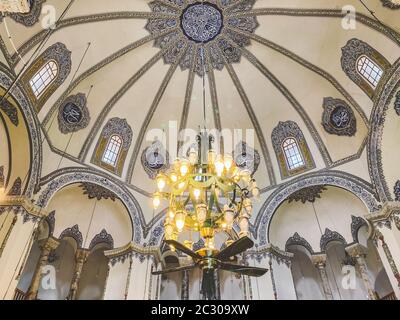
[118,154]
[300,153]
[46,66]
[367,77]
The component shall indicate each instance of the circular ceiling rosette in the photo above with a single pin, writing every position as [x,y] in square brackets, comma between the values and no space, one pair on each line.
[192,28]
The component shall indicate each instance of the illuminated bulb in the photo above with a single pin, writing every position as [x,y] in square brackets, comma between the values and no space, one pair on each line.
[184,169]
[228,162]
[174,178]
[224,225]
[156,202]
[172,248]
[180,220]
[210,243]
[171,214]
[219,166]
[161,183]
[181,185]
[196,193]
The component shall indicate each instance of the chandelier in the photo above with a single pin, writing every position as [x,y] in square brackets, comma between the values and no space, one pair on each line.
[207,194]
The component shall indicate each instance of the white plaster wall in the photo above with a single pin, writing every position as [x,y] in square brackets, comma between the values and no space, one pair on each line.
[332,211]
[73,207]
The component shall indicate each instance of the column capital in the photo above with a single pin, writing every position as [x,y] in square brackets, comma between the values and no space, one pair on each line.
[355,250]
[319,260]
[50,244]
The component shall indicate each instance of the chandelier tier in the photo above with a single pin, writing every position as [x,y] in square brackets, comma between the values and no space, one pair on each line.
[207,193]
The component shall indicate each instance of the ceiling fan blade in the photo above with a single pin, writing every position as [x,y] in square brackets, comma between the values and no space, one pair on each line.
[183,268]
[235,248]
[179,246]
[245,270]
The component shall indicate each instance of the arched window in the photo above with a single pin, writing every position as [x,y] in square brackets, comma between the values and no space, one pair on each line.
[42,79]
[293,156]
[364,65]
[291,149]
[112,147]
[369,70]
[47,73]
[112,151]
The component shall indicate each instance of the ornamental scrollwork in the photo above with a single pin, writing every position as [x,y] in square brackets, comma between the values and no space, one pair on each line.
[206,29]
[73,114]
[103,237]
[329,236]
[73,233]
[338,118]
[356,224]
[296,240]
[10,111]
[95,191]
[308,194]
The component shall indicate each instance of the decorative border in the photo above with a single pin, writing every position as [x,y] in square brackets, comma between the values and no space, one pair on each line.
[378,118]
[356,224]
[296,240]
[33,129]
[330,236]
[390,4]
[73,233]
[102,237]
[330,105]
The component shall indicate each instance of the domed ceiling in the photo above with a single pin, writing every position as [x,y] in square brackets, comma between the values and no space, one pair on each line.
[266,62]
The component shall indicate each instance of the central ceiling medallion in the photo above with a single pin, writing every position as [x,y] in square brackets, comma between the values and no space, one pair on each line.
[190,32]
[201,22]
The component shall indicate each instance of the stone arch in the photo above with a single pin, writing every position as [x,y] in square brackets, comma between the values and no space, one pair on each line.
[32,127]
[64,177]
[378,117]
[339,179]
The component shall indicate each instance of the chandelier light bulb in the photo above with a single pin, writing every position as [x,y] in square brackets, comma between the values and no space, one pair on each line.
[171,214]
[174,178]
[219,167]
[180,220]
[156,202]
[197,193]
[181,185]
[184,169]
[161,183]
[246,176]
[228,162]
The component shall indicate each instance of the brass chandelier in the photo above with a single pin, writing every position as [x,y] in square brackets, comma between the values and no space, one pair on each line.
[207,194]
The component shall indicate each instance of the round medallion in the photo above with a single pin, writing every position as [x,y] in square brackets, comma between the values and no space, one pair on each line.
[155,160]
[340,117]
[71,113]
[201,22]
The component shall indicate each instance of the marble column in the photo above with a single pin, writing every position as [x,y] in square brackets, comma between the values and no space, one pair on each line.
[81,256]
[358,253]
[277,283]
[319,262]
[49,245]
[386,226]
